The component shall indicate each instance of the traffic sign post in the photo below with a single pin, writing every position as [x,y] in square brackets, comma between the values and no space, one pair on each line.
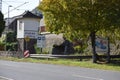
[27,39]
[26,53]
[41,41]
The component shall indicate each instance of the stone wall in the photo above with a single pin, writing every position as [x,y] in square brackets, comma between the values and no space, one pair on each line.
[21,45]
[11,54]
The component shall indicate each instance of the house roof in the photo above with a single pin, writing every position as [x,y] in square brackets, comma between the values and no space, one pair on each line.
[26,14]
[37,12]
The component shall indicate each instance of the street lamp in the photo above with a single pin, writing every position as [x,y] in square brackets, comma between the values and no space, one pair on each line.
[9,14]
[7,27]
[1,5]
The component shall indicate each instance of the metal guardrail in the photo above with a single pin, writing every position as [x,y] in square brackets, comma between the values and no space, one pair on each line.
[67,56]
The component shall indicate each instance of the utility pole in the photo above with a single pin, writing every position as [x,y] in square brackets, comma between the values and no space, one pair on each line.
[9,15]
[7,29]
[1,5]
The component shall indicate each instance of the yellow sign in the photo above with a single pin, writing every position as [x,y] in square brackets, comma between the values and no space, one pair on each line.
[27,39]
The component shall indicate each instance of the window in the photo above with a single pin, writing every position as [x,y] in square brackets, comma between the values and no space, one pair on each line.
[20,25]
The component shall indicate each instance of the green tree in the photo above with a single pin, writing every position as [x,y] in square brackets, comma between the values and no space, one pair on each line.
[2,23]
[82,16]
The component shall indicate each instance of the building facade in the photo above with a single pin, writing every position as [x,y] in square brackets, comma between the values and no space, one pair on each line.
[25,26]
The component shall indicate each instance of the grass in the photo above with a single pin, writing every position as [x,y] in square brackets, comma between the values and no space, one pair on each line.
[114,66]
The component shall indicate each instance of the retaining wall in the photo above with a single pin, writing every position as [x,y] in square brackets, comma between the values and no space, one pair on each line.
[11,54]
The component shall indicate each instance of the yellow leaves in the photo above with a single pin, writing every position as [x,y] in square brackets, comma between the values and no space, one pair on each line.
[80,15]
[46,4]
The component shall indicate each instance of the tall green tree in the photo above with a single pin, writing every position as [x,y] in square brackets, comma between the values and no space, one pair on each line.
[2,23]
[86,16]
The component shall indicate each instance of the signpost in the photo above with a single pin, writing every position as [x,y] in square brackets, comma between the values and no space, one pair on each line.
[26,52]
[41,41]
[27,39]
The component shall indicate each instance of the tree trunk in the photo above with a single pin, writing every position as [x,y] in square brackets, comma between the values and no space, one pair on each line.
[108,53]
[92,36]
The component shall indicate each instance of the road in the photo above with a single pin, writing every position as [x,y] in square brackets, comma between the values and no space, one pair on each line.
[10,70]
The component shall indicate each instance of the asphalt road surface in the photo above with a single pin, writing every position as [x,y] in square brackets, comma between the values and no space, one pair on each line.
[32,71]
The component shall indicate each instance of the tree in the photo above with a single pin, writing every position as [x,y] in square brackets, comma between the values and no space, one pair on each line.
[86,16]
[2,23]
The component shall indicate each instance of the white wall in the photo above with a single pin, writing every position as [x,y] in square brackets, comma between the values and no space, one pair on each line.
[42,22]
[20,29]
[29,25]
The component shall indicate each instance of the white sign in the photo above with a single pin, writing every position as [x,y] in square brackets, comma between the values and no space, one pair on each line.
[101,45]
[31,34]
[41,41]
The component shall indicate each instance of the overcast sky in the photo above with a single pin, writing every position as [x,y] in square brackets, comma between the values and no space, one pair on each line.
[22,7]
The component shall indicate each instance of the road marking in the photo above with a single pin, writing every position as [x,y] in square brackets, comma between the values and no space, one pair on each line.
[6,78]
[87,77]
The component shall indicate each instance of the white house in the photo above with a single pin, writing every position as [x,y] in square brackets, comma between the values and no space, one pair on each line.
[25,25]
[42,23]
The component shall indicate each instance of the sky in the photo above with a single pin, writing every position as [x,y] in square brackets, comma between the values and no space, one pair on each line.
[18,6]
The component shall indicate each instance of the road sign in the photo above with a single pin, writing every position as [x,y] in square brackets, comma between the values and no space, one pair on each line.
[41,41]
[26,53]
[27,39]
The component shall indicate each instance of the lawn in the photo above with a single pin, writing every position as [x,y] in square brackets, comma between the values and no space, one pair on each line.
[87,63]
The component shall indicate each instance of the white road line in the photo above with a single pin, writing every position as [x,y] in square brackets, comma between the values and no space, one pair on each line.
[6,78]
[92,78]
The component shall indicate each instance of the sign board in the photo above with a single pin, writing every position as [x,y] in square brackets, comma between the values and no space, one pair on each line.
[31,34]
[41,41]
[27,39]
[101,44]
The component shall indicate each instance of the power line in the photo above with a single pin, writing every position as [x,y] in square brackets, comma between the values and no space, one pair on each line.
[16,7]
[14,1]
